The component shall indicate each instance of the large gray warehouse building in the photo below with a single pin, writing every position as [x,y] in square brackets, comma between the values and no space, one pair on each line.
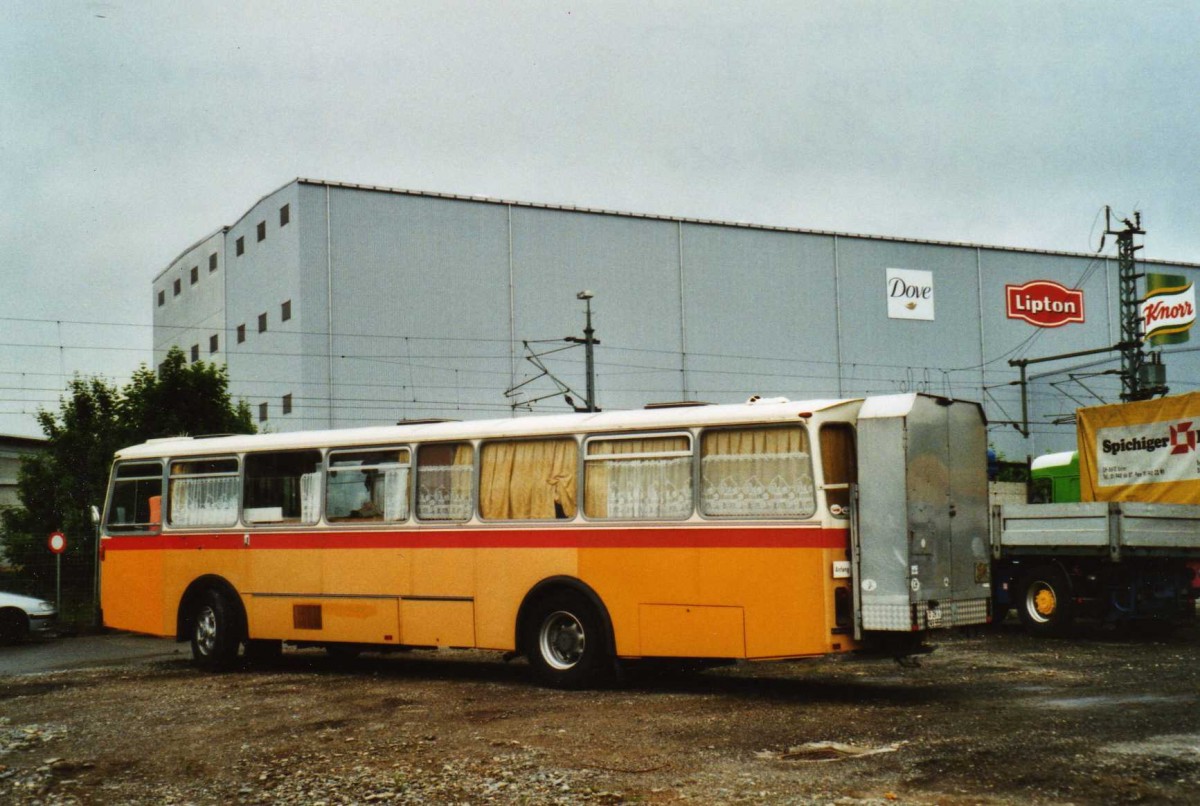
[338,305]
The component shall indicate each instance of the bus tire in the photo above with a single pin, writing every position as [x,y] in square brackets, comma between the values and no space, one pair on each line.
[1044,602]
[565,641]
[215,632]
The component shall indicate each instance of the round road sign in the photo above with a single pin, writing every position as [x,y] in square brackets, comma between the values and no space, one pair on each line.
[57,542]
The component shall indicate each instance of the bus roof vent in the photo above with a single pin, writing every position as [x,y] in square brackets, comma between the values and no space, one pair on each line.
[759,399]
[159,440]
[677,404]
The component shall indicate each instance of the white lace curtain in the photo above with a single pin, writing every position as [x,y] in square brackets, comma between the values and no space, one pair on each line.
[657,485]
[444,492]
[757,485]
[650,488]
[395,494]
[756,472]
[204,501]
[310,497]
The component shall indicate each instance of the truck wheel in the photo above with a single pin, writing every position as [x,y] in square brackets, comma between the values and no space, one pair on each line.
[215,632]
[565,642]
[1045,601]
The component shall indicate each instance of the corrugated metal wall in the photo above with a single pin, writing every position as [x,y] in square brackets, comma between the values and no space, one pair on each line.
[409,305]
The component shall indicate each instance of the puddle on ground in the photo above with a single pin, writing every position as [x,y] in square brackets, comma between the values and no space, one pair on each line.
[1178,746]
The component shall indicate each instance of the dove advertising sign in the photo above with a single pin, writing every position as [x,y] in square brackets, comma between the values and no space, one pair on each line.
[910,294]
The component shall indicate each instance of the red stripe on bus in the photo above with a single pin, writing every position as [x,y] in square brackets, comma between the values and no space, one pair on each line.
[612,538]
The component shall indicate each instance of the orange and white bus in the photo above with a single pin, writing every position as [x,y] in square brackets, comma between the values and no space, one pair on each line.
[709,532]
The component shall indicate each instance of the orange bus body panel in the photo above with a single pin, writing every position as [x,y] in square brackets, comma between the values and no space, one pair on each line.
[670,591]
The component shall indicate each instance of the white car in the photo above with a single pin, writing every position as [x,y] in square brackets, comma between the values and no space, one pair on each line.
[21,616]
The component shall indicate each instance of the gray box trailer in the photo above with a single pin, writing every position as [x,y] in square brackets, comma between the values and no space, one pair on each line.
[920,554]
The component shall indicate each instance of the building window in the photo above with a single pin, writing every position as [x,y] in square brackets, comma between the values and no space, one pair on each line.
[285,311]
[178,286]
[287,404]
[195,352]
[262,412]
[241,334]
[241,246]
[262,230]
[195,274]
[262,323]
[212,262]
[285,215]
[162,298]
[212,343]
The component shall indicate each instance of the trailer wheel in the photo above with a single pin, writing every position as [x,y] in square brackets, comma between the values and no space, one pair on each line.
[1045,601]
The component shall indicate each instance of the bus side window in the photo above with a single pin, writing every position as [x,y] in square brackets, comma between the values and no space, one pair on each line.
[368,486]
[756,473]
[204,492]
[444,479]
[136,493]
[638,478]
[841,466]
[282,487]
[529,480]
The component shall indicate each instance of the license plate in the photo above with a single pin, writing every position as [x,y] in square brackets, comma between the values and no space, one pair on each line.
[933,616]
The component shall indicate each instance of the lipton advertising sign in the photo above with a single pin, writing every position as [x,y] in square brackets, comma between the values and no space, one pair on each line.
[1044,303]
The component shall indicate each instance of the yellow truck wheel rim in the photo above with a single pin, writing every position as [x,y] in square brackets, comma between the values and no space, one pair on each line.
[1045,602]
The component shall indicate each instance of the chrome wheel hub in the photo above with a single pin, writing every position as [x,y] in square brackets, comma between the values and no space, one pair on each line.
[562,640]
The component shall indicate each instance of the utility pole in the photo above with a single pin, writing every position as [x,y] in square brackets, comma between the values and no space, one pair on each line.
[1141,379]
[588,342]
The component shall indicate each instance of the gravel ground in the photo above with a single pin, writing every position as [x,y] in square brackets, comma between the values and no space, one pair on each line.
[994,717]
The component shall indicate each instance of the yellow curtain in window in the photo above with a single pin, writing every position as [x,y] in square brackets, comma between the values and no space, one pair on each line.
[754,441]
[525,480]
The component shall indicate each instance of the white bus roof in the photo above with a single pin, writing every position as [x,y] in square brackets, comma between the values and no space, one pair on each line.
[775,410]
[1060,459]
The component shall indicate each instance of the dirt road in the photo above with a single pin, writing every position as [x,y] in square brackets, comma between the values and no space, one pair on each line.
[994,718]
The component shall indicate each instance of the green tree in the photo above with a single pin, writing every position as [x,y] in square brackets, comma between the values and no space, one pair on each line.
[59,486]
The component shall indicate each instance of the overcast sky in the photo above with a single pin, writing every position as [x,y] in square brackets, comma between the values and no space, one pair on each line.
[128,130]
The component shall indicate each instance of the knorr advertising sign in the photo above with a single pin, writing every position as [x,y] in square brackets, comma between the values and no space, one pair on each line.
[1169,309]
[1145,451]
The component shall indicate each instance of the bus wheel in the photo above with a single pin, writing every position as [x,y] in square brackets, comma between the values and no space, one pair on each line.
[215,638]
[1045,601]
[565,642]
